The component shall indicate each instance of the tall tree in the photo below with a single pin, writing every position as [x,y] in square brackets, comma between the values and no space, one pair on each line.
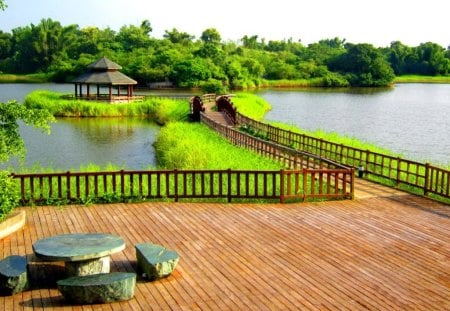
[211,35]
[365,65]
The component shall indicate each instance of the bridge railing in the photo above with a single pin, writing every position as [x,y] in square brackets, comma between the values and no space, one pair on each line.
[82,187]
[424,177]
[289,157]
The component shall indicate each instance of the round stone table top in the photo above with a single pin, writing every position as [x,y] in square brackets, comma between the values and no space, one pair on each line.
[78,246]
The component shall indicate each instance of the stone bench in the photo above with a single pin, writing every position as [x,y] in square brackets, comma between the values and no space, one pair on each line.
[98,288]
[155,261]
[13,275]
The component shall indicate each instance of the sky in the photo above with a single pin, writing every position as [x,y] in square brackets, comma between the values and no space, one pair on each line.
[357,21]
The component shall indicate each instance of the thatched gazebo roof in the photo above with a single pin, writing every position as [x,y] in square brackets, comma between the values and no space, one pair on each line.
[104,72]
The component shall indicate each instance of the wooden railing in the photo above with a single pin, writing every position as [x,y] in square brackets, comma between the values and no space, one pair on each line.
[289,157]
[225,105]
[228,184]
[424,177]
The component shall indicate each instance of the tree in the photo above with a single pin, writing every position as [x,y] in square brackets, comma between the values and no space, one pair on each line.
[5,44]
[398,56]
[134,37]
[211,35]
[365,65]
[432,59]
[11,144]
[175,36]
[47,41]
[3,5]
[190,72]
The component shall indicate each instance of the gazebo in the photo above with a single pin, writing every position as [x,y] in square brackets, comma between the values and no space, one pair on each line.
[111,84]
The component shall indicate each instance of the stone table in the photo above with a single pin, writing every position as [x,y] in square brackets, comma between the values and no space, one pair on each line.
[83,253]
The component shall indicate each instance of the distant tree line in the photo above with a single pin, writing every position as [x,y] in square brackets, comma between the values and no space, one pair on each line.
[63,52]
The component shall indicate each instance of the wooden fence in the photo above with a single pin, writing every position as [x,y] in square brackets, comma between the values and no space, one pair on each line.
[82,187]
[424,177]
[289,157]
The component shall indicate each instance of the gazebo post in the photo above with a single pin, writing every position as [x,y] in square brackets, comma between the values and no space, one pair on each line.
[88,93]
[110,92]
[76,90]
[98,91]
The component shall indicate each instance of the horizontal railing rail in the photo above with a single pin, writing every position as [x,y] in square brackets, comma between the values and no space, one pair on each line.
[228,184]
[423,177]
[289,157]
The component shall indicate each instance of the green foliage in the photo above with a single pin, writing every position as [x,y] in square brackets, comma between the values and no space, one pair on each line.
[426,59]
[61,52]
[213,86]
[9,194]
[11,144]
[364,66]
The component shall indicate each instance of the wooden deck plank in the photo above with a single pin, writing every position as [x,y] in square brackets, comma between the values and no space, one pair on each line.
[377,253]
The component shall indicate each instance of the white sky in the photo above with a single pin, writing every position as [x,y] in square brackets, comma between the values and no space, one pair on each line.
[377,22]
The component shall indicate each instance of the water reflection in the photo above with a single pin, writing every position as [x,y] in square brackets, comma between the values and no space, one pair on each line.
[77,142]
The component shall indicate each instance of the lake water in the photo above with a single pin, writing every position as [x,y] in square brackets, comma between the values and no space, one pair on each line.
[76,142]
[411,119]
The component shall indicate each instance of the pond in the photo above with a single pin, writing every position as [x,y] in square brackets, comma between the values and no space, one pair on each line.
[410,119]
[77,142]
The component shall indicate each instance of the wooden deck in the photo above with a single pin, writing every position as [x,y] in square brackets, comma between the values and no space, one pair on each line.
[373,253]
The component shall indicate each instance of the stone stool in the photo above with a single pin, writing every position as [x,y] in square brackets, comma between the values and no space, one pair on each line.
[155,261]
[98,288]
[13,275]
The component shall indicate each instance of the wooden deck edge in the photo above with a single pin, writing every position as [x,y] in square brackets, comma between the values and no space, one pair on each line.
[12,223]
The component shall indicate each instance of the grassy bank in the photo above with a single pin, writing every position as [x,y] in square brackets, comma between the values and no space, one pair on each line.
[194,146]
[422,79]
[30,78]
[160,109]
[251,105]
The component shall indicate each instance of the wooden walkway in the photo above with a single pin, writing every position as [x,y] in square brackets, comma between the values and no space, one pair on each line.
[372,253]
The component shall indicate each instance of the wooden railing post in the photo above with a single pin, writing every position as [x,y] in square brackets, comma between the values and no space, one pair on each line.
[427,177]
[229,185]
[175,175]
[68,185]
[122,182]
[281,186]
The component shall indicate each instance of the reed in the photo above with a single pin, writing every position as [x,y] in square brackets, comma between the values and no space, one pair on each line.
[194,146]
[162,110]
[30,78]
[421,79]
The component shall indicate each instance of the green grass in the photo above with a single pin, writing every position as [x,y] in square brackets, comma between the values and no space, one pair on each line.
[194,146]
[160,109]
[251,105]
[29,78]
[335,138]
[292,83]
[422,79]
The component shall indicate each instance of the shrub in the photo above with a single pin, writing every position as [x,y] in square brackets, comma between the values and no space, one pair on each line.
[9,194]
